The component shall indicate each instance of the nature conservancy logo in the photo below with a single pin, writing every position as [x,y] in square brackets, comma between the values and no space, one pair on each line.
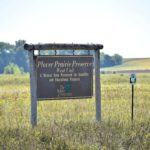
[64,90]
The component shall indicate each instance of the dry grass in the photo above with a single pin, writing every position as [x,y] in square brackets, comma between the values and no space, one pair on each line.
[65,125]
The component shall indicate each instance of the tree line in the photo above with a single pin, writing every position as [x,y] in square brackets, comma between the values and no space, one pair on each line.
[109,61]
[14,59]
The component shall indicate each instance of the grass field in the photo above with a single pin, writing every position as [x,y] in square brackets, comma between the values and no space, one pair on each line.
[70,124]
[132,64]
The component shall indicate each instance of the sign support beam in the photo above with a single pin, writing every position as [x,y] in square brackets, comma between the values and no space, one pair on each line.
[33,88]
[97,85]
[53,46]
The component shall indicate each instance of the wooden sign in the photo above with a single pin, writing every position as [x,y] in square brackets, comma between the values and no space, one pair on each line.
[63,77]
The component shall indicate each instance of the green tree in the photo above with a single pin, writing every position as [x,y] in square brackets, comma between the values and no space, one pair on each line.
[108,61]
[102,59]
[6,55]
[117,59]
[13,69]
[21,55]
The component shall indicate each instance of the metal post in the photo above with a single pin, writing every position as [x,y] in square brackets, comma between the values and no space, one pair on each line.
[33,88]
[97,85]
[132,107]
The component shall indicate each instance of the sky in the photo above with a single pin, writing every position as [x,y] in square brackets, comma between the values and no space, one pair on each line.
[122,26]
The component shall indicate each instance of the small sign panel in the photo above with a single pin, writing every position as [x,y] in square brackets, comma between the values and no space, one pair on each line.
[133,79]
[63,77]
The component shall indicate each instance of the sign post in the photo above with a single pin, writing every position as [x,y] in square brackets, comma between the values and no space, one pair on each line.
[132,81]
[33,88]
[97,85]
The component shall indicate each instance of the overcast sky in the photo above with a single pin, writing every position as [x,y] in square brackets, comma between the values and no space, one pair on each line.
[122,26]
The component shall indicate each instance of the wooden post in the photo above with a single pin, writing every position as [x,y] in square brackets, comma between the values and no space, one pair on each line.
[97,85]
[33,88]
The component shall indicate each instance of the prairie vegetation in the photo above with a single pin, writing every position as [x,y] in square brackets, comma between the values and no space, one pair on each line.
[70,124]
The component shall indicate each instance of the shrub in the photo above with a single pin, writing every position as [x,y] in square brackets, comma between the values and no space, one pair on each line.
[13,69]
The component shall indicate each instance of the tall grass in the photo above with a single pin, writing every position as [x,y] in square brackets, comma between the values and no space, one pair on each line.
[70,124]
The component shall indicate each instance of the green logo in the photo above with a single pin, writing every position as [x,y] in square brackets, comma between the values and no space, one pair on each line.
[67,87]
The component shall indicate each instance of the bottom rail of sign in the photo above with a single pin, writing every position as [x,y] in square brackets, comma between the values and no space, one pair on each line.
[64,98]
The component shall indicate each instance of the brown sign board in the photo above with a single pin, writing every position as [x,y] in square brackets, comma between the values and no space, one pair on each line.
[64,77]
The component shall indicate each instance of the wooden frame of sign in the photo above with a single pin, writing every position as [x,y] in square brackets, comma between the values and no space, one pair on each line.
[77,69]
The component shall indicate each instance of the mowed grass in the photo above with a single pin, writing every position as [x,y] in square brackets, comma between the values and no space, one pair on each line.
[70,124]
[132,64]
